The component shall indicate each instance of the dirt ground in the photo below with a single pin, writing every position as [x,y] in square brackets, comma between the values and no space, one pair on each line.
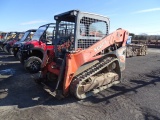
[136,98]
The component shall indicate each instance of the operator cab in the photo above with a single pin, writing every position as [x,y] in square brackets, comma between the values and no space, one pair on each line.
[78,30]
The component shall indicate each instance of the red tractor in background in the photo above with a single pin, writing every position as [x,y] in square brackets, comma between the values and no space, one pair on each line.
[32,51]
[27,37]
[86,59]
[8,45]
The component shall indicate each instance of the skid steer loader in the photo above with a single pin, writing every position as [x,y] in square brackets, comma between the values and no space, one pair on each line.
[86,59]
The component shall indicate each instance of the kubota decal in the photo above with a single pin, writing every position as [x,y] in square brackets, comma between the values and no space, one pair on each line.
[100,46]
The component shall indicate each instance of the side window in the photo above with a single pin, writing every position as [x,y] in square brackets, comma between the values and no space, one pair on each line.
[98,29]
[20,36]
[50,33]
[13,35]
[82,29]
[66,29]
[31,35]
[93,27]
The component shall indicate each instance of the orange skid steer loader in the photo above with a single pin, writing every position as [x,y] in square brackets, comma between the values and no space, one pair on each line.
[86,59]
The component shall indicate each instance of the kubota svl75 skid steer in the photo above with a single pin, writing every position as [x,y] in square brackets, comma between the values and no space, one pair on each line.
[86,59]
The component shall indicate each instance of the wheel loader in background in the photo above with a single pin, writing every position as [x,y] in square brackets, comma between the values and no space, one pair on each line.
[86,59]
[134,49]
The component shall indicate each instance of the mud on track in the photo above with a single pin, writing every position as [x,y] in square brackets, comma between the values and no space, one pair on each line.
[136,98]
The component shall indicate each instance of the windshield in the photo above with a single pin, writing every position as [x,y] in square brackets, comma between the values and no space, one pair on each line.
[39,33]
[20,36]
[11,35]
[25,36]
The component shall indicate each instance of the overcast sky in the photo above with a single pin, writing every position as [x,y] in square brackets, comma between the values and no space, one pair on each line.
[136,16]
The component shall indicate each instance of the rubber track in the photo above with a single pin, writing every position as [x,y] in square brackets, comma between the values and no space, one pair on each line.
[104,62]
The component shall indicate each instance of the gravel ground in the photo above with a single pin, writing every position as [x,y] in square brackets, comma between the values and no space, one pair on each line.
[136,98]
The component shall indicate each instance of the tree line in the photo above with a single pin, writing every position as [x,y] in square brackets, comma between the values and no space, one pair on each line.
[144,37]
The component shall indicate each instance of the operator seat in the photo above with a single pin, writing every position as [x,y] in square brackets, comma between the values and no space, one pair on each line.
[62,46]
